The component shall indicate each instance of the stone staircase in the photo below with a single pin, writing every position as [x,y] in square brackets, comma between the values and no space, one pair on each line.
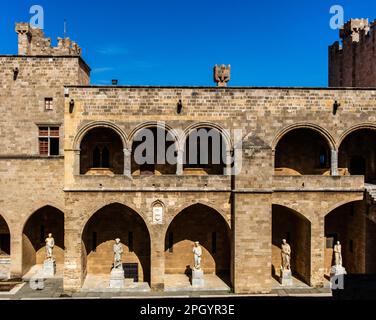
[371,192]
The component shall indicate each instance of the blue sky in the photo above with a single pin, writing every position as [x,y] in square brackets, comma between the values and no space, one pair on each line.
[176,42]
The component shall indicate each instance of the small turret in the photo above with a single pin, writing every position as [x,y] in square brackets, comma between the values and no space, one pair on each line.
[33,42]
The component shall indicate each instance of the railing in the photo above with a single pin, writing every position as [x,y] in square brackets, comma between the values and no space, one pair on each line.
[318,183]
[150,183]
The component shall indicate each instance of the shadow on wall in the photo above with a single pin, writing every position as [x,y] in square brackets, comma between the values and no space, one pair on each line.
[111,222]
[198,223]
[296,229]
[44,221]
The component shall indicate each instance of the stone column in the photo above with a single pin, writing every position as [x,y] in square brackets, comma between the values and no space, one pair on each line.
[317,250]
[74,260]
[157,257]
[15,253]
[334,162]
[76,163]
[179,164]
[127,162]
[252,229]
[227,170]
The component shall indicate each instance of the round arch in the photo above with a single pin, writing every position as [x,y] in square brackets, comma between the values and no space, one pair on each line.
[100,124]
[116,220]
[356,154]
[184,206]
[212,125]
[155,168]
[92,210]
[198,222]
[305,125]
[303,150]
[208,166]
[293,226]
[359,126]
[154,124]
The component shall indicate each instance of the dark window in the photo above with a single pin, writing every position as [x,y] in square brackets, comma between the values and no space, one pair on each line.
[130,241]
[131,271]
[48,104]
[214,242]
[105,158]
[49,141]
[323,157]
[331,239]
[171,242]
[101,157]
[96,158]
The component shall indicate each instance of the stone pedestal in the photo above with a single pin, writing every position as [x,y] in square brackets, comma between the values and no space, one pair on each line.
[337,277]
[286,278]
[197,278]
[337,271]
[117,279]
[49,268]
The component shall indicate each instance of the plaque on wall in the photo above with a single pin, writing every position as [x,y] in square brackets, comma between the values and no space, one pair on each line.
[158,214]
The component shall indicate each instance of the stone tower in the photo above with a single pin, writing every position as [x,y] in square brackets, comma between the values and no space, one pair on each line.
[33,42]
[353,62]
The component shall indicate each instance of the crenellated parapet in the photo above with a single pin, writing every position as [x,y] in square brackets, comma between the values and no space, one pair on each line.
[33,42]
[352,62]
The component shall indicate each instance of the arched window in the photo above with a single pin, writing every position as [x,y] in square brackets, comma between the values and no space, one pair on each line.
[357,154]
[96,158]
[153,152]
[302,151]
[105,158]
[102,148]
[204,151]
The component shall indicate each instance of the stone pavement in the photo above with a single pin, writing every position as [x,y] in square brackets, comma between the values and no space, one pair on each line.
[53,289]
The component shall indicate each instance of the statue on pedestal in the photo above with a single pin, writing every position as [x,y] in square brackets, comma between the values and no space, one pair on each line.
[49,265]
[338,254]
[197,272]
[286,275]
[118,251]
[337,271]
[117,272]
[285,255]
[50,243]
[197,253]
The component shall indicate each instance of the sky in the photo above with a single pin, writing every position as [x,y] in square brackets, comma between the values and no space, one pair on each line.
[176,42]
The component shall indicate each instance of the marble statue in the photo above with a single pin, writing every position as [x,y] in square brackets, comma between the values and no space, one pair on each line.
[50,243]
[197,252]
[286,255]
[338,254]
[118,251]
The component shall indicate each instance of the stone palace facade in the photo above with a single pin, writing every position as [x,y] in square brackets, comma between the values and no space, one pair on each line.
[67,168]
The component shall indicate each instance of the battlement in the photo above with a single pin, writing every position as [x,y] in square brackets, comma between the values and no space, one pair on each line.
[354,29]
[352,62]
[33,42]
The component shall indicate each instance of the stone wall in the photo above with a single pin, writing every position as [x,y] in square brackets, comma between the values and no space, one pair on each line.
[26,186]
